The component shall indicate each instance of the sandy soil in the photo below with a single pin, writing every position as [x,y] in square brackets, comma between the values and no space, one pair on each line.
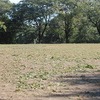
[77,78]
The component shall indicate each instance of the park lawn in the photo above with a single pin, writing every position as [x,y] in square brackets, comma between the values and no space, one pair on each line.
[51,71]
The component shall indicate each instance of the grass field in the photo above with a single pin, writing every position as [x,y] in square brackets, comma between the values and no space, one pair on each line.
[50,72]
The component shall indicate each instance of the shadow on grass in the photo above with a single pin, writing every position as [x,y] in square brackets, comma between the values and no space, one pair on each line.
[84,85]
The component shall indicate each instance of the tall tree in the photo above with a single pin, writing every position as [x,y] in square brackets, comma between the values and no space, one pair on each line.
[4,7]
[53,21]
[93,13]
[34,13]
[66,10]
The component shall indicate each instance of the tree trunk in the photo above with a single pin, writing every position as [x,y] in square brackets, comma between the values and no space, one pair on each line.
[39,33]
[67,36]
[42,34]
[39,37]
[98,28]
[67,31]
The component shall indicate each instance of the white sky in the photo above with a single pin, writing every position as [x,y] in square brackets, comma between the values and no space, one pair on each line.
[14,1]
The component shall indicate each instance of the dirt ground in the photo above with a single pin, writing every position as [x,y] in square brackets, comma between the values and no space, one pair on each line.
[84,86]
[50,72]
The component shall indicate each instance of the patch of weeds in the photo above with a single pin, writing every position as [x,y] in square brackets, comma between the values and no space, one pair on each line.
[32,79]
[35,85]
[98,70]
[22,65]
[28,75]
[22,80]
[15,55]
[22,84]
[83,68]
[70,69]
[89,66]
[43,75]
[17,90]
[61,70]
[52,57]
[53,72]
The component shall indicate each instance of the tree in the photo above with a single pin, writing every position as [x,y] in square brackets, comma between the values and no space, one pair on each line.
[4,7]
[2,25]
[50,21]
[55,31]
[66,12]
[33,13]
[83,30]
[93,14]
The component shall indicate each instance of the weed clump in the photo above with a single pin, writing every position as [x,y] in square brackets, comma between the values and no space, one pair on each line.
[89,66]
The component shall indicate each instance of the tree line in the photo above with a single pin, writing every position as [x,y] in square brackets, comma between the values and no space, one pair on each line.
[50,21]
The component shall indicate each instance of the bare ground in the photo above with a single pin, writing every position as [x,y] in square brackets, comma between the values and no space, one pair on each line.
[61,73]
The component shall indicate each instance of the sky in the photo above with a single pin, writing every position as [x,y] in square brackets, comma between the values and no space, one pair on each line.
[14,1]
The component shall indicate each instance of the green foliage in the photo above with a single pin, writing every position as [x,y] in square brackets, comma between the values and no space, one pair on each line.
[5,6]
[34,79]
[93,14]
[2,26]
[89,66]
[50,21]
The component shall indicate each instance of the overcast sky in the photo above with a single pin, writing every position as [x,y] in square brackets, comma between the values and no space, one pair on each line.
[14,1]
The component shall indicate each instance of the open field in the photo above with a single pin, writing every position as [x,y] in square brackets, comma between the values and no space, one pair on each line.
[50,72]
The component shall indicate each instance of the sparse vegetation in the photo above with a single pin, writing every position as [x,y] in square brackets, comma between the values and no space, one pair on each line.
[33,67]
